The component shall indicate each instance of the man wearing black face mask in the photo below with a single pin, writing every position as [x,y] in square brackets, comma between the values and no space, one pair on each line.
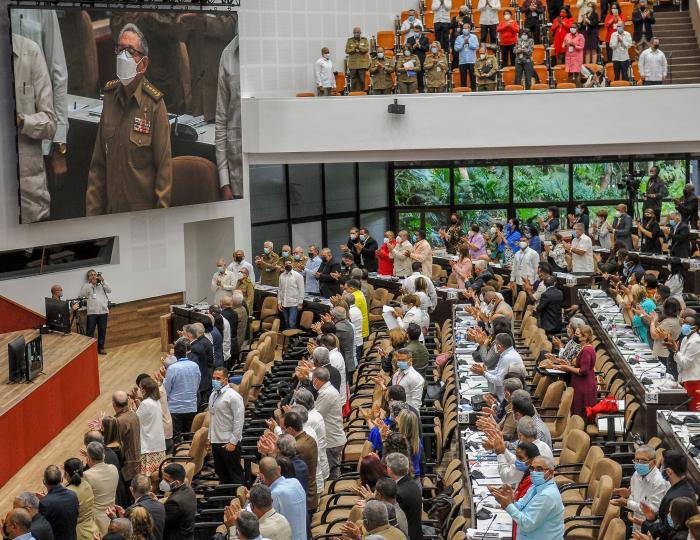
[290,296]
[328,275]
[181,505]
[656,192]
[240,262]
[688,206]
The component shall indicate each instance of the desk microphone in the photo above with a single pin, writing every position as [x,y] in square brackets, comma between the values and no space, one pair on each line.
[483,536]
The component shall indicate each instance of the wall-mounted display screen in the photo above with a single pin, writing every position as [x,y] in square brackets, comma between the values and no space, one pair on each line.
[125,110]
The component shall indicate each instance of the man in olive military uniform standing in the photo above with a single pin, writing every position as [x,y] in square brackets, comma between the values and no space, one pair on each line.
[486,69]
[435,66]
[268,264]
[285,257]
[131,166]
[381,69]
[357,48]
[407,70]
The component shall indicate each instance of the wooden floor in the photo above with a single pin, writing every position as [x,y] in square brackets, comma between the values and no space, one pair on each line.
[118,371]
[58,350]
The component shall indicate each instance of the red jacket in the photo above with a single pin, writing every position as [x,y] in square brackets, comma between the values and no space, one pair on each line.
[386,263]
[520,492]
[508,33]
[559,32]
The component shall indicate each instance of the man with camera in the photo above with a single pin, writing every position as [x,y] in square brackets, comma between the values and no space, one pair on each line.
[96,291]
[656,192]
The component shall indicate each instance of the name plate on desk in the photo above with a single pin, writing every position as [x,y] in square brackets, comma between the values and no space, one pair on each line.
[651,396]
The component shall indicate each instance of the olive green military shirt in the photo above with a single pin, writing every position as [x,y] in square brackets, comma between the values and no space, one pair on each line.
[131,166]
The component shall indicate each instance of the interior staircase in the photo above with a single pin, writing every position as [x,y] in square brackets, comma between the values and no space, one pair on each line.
[679,42]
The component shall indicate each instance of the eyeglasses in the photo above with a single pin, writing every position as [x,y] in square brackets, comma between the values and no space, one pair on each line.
[129,50]
[539,468]
[642,460]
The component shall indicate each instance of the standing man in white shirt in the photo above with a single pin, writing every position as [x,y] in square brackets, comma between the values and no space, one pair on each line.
[409,284]
[423,253]
[525,263]
[409,25]
[290,295]
[96,291]
[323,73]
[647,485]
[407,376]
[441,21]
[489,19]
[653,67]
[226,417]
[328,406]
[335,357]
[620,43]
[509,362]
[223,282]
[355,316]
[312,266]
[240,262]
[581,250]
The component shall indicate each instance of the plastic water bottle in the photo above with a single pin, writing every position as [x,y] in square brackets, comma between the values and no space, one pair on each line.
[613,330]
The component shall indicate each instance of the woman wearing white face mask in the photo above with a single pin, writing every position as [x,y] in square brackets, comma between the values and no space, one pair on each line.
[573,50]
[408,68]
[323,72]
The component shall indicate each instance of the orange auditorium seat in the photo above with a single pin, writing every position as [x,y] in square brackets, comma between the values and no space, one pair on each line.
[615,84]
[539,86]
[564,85]
[386,39]
[461,89]
[538,55]
[306,94]
[508,75]
[514,87]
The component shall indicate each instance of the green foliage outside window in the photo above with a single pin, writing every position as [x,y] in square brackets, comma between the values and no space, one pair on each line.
[422,187]
[599,180]
[534,183]
[481,184]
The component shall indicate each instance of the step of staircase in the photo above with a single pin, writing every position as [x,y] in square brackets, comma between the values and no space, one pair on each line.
[680,44]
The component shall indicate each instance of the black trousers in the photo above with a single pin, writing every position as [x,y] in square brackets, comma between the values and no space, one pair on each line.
[99,321]
[507,55]
[621,69]
[442,34]
[489,30]
[523,68]
[357,80]
[182,422]
[533,25]
[228,464]
[463,70]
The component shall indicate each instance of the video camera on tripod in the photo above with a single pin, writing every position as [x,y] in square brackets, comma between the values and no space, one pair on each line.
[81,301]
[631,183]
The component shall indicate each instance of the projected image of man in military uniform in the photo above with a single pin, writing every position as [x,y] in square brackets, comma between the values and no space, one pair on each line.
[131,166]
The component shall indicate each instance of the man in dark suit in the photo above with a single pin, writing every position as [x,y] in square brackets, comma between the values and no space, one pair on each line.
[231,316]
[680,236]
[129,434]
[40,528]
[368,250]
[202,354]
[345,332]
[688,206]
[328,275]
[59,506]
[181,505]
[549,306]
[419,45]
[141,491]
[622,226]
[408,493]
[482,275]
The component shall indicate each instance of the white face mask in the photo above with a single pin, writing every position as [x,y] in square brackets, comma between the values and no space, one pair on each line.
[126,68]
[326,55]
[164,486]
[386,240]
[522,245]
[482,56]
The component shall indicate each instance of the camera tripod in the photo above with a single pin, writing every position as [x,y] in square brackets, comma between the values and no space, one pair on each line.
[76,319]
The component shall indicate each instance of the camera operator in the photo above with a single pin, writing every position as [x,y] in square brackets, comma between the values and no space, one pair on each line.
[96,290]
[57,294]
[656,192]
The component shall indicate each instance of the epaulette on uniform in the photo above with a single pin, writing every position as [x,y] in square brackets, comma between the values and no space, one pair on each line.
[152,91]
[111,86]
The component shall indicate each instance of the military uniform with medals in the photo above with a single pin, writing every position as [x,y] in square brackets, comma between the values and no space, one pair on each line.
[131,166]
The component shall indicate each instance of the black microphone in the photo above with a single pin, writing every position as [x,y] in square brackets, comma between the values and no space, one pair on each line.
[681,404]
[483,535]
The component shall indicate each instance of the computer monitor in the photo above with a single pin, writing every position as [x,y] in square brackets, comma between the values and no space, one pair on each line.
[16,358]
[57,315]
[34,357]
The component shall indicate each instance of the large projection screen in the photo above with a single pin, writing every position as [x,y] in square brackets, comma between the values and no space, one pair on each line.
[122,110]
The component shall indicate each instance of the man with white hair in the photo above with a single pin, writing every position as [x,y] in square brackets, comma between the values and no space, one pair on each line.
[409,284]
[268,263]
[223,282]
[647,485]
[40,527]
[540,512]
[581,250]
[375,518]
[482,275]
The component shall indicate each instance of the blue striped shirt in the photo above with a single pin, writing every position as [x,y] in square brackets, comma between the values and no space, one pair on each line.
[289,499]
[181,384]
